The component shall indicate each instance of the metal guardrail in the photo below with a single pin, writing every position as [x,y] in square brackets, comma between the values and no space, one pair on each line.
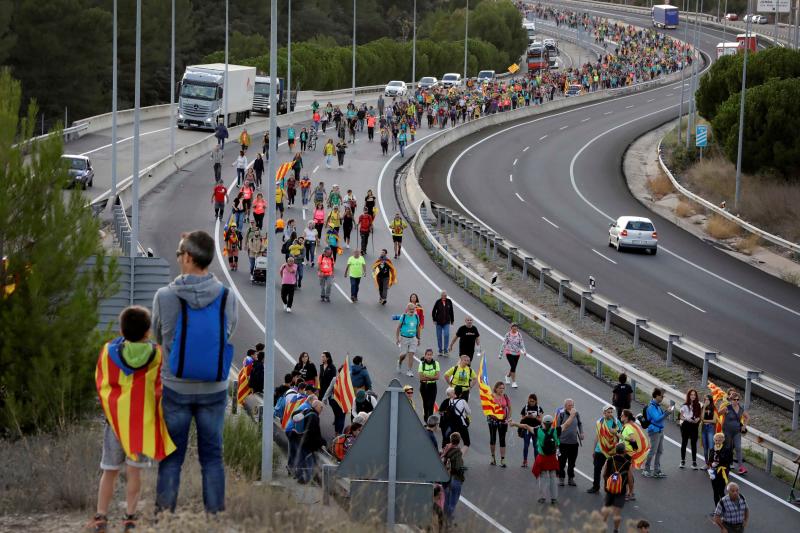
[122,229]
[775,239]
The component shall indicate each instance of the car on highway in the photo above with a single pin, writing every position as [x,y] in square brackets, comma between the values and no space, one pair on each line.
[486,76]
[756,19]
[428,82]
[573,90]
[80,171]
[731,16]
[551,45]
[395,88]
[633,232]
[451,79]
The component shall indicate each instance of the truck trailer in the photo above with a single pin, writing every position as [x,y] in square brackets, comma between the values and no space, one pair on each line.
[665,16]
[201,100]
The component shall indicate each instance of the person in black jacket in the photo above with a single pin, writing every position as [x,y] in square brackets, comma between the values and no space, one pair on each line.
[327,375]
[257,374]
[258,167]
[310,443]
[720,457]
[306,369]
[280,390]
[444,317]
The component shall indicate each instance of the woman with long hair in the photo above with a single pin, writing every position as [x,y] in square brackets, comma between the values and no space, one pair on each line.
[691,411]
[306,369]
[327,375]
[709,426]
[498,425]
[414,299]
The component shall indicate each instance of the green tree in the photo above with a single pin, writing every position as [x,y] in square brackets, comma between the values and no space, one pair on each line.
[50,294]
[771,139]
[7,38]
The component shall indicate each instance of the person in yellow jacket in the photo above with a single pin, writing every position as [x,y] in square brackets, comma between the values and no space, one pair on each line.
[279,194]
[396,226]
[244,139]
[328,151]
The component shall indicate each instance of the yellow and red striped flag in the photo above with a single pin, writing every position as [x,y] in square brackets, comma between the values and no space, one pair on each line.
[639,454]
[291,407]
[131,401]
[343,392]
[244,390]
[490,407]
[283,169]
[720,400]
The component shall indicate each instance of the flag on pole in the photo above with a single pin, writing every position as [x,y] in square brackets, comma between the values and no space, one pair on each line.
[283,169]
[513,68]
[490,407]
[343,392]
[244,390]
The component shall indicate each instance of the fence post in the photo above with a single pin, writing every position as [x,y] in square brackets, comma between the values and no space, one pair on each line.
[561,284]
[448,221]
[640,323]
[525,262]
[673,339]
[235,396]
[707,357]
[483,234]
[569,351]
[498,241]
[768,461]
[752,375]
[440,219]
[598,368]
[462,222]
[544,333]
[543,273]
[611,308]
[584,296]
[796,410]
[511,251]
[489,238]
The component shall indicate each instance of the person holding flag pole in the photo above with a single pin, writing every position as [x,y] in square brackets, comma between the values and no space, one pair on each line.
[341,393]
[497,407]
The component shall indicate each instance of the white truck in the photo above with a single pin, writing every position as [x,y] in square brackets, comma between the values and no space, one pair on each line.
[201,101]
[729,49]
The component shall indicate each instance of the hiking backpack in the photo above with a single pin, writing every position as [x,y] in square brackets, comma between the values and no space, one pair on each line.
[615,481]
[338,446]
[643,420]
[549,442]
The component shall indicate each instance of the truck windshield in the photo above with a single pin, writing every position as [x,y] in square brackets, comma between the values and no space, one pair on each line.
[262,89]
[199,92]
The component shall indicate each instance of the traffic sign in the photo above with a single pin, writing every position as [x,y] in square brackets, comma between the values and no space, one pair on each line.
[768,6]
[701,136]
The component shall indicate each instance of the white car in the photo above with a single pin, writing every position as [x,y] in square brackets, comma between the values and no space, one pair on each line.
[395,88]
[551,45]
[451,79]
[633,232]
[428,82]
[486,76]
[756,19]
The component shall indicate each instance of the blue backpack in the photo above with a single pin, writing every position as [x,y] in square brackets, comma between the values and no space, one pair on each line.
[200,349]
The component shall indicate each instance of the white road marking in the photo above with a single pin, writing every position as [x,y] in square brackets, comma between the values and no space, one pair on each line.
[122,141]
[562,128]
[796,354]
[587,119]
[304,213]
[608,112]
[604,256]
[550,222]
[514,163]
[521,199]
[526,148]
[628,106]
[543,137]
[669,94]
[651,100]
[511,177]
[346,296]
[684,301]
[315,169]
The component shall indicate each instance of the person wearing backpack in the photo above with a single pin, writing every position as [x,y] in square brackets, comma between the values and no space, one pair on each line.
[193,320]
[545,466]
[428,372]
[311,442]
[607,430]
[453,459]
[455,418]
[615,474]
[653,419]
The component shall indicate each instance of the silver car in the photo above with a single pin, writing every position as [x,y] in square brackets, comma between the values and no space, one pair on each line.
[395,88]
[633,232]
[80,171]
[428,82]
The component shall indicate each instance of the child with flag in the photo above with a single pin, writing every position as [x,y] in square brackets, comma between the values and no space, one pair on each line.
[128,381]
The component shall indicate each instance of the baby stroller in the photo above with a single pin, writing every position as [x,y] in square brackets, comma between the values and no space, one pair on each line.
[260,271]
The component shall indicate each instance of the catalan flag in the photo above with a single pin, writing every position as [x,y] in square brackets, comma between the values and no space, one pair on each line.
[283,169]
[720,402]
[343,392]
[513,68]
[131,401]
[490,407]
[605,438]
[291,407]
[244,390]
[641,441]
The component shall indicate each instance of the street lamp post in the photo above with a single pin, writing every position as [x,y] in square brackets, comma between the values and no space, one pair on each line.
[272,251]
[354,51]
[414,49]
[695,74]
[725,23]
[225,81]
[172,87]
[466,36]
[683,72]
[114,109]
[289,58]
[738,193]
[137,86]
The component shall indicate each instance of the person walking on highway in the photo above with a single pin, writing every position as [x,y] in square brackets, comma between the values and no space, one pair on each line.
[259,208]
[328,150]
[384,139]
[265,145]
[468,339]
[453,459]
[288,273]
[341,148]
[545,465]
[385,276]
[279,194]
[691,411]
[462,377]
[303,139]
[325,273]
[732,512]
[355,270]
[233,244]
[371,129]
[347,226]
[655,430]
[258,167]
[455,413]
[570,437]
[621,394]
[720,457]
[443,316]
[364,229]
[616,474]
[219,197]
[428,373]
[290,136]
[606,435]
[310,236]
[241,166]
[734,425]
[221,133]
[513,347]
[414,299]
[318,218]
[396,226]
[256,245]
[407,338]
[216,158]
[297,166]
[305,190]
[531,416]
[498,427]
[402,139]
[244,140]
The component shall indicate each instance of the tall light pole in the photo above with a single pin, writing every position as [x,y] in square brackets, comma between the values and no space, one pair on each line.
[289,58]
[272,259]
[172,87]
[683,70]
[725,23]
[414,49]
[137,86]
[466,35]
[695,74]
[225,81]
[354,51]
[738,194]
[114,109]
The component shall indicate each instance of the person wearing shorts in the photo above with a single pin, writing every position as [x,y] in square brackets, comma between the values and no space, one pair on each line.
[620,463]
[397,225]
[513,347]
[407,338]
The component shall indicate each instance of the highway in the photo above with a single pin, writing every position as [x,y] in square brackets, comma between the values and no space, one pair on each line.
[493,498]
[567,185]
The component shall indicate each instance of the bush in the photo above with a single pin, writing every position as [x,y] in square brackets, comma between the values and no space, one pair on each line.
[659,186]
[242,446]
[720,227]
[684,209]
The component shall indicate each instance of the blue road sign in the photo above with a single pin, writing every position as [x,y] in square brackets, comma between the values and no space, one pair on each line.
[701,136]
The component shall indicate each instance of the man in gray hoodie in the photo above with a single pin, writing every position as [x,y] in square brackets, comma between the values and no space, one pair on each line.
[185,399]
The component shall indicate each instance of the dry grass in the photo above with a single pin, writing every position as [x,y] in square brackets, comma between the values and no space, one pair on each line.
[791,277]
[684,209]
[659,186]
[748,243]
[721,228]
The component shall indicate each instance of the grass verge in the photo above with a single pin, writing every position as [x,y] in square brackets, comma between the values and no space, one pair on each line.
[721,228]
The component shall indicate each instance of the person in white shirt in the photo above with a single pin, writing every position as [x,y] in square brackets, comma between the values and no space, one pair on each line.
[241,166]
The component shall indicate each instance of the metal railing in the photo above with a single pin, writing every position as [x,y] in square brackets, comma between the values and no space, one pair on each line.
[122,229]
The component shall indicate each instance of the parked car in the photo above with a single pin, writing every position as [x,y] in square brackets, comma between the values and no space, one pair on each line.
[756,19]
[428,82]
[573,90]
[731,16]
[395,88]
[451,79]
[633,232]
[486,76]
[80,171]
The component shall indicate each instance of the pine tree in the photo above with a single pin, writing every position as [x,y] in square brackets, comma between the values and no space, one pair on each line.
[48,294]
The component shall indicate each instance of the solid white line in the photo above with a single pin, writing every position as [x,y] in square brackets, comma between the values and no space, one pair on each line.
[604,256]
[562,128]
[628,106]
[651,100]
[511,177]
[315,169]
[608,112]
[304,213]
[684,301]
[526,148]
[549,222]
[483,515]
[666,250]
[796,354]
[346,296]
[543,137]
[520,197]
[587,119]
[669,94]
[514,163]
[122,141]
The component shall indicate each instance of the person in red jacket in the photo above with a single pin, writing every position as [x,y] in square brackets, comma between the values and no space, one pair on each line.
[365,221]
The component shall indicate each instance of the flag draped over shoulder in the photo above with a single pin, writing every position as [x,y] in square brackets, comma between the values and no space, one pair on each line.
[392,272]
[720,401]
[343,392]
[489,406]
[291,407]
[282,170]
[639,454]
[605,438]
[131,401]
[244,389]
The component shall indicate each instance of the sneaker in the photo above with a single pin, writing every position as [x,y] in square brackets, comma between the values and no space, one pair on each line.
[682,465]
[493,462]
[285,307]
[514,385]
[347,246]
[659,474]
[694,465]
[288,309]
[524,464]
[508,380]
[742,470]
[503,462]
[561,482]
[410,374]
[647,473]
[572,483]
[630,497]
[593,490]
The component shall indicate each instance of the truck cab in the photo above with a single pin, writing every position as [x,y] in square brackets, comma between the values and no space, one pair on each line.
[261,102]
[201,95]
